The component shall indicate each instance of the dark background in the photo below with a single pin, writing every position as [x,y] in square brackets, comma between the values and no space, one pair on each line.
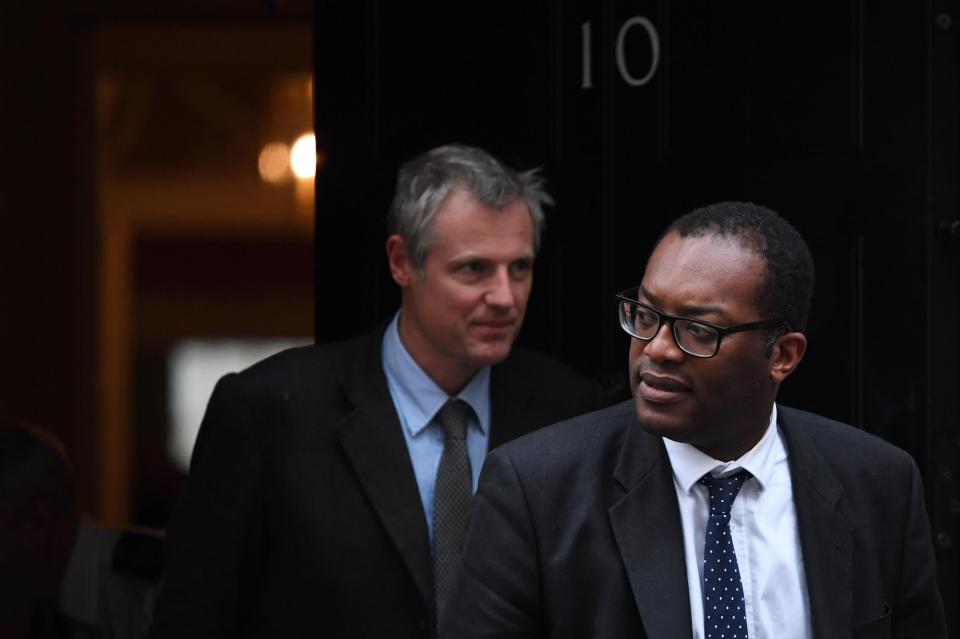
[840,116]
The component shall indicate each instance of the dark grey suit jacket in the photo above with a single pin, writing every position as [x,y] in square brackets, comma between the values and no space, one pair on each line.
[302,516]
[576,533]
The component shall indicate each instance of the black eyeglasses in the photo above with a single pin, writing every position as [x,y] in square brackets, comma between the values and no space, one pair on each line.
[694,337]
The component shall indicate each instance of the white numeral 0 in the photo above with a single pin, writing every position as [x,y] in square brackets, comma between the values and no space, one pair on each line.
[654,50]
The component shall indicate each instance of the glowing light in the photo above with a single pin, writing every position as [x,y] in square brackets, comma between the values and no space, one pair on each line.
[303,156]
[274,162]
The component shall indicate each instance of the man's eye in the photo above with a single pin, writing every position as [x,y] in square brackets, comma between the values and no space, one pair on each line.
[699,331]
[521,268]
[645,318]
[473,268]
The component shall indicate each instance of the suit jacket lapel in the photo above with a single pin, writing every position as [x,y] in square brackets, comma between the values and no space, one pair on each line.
[510,397]
[646,525]
[826,536]
[373,442]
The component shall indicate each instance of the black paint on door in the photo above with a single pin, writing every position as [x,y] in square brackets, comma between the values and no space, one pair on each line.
[841,116]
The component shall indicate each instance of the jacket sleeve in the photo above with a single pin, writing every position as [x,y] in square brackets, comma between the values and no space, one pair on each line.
[918,609]
[498,594]
[213,542]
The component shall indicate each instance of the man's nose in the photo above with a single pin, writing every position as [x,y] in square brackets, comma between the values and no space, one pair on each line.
[500,291]
[663,346]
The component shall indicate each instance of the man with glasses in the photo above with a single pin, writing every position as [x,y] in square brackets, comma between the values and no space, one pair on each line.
[701,508]
[329,485]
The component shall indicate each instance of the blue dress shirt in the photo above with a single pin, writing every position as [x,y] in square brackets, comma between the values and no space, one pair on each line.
[418,399]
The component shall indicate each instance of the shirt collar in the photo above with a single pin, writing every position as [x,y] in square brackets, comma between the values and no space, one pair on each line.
[420,395]
[690,463]
[79,588]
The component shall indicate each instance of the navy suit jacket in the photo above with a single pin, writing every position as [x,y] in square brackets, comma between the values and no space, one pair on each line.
[576,533]
[301,516]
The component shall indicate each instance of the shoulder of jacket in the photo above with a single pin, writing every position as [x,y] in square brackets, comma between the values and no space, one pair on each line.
[292,369]
[541,369]
[577,437]
[834,438]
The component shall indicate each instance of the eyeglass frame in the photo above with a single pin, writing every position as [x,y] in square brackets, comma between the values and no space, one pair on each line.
[722,331]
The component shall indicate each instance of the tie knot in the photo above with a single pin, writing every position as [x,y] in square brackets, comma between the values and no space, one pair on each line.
[453,418]
[723,490]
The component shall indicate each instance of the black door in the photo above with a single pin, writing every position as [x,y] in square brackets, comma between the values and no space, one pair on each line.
[841,116]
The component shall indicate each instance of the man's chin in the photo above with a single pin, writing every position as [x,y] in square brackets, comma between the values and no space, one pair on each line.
[490,353]
[665,420]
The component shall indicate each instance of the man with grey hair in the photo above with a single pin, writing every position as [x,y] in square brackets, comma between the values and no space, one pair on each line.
[329,485]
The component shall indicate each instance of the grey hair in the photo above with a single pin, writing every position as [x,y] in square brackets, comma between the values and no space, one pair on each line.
[425,182]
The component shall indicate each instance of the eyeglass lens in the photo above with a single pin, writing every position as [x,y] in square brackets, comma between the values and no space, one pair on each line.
[691,336]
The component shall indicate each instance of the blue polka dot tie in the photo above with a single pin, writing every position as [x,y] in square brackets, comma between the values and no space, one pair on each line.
[724,616]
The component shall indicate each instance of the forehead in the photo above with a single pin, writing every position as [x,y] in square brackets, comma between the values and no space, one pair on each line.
[704,271]
[464,224]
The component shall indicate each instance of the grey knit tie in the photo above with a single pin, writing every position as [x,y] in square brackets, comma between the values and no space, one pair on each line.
[452,493]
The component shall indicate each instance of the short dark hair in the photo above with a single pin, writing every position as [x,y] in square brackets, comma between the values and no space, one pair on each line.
[33,465]
[787,288]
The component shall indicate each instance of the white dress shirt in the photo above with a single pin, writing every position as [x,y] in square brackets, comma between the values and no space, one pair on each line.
[763,524]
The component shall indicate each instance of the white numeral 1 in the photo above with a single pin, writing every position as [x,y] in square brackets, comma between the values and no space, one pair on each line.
[586,77]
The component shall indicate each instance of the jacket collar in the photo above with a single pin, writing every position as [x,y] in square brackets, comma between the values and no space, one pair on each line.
[648,531]
[371,437]
[826,533]
[647,528]
[373,442]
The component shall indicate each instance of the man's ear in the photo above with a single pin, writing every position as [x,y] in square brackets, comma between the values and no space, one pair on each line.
[788,350]
[401,264]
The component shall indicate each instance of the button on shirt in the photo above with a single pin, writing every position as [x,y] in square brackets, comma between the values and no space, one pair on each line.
[763,524]
[418,399]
